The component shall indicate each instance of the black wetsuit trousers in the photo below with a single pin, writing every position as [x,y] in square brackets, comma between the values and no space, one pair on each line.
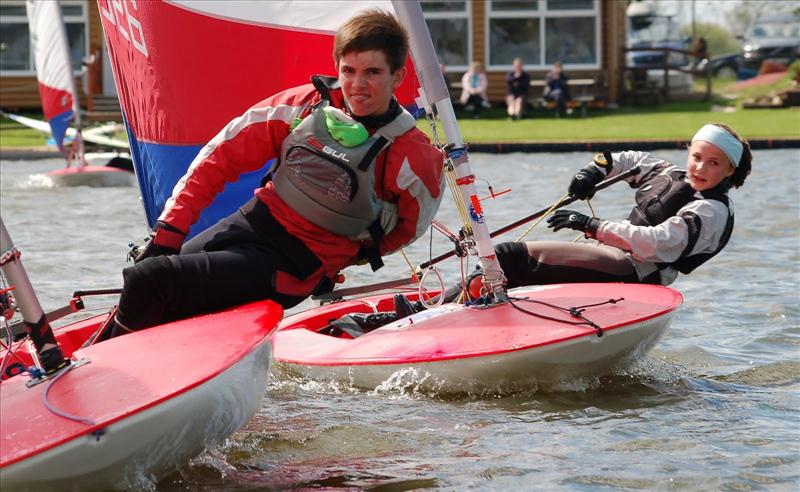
[556,262]
[231,263]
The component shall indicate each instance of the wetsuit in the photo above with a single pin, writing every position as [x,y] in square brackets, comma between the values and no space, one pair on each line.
[267,249]
[671,229]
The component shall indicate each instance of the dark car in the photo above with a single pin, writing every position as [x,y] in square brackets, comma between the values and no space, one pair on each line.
[726,66]
[774,38]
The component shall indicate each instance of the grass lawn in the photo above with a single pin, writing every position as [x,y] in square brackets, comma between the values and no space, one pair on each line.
[669,121]
[15,135]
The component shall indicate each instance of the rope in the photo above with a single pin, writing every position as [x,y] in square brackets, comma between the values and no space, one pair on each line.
[56,411]
[450,176]
[424,297]
[450,179]
[548,212]
[449,171]
[594,214]
[410,266]
[576,311]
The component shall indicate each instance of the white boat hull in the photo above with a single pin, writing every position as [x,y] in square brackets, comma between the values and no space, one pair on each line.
[503,372]
[94,176]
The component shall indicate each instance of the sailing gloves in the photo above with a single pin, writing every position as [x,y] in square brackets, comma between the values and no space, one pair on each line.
[568,219]
[583,183]
[164,240]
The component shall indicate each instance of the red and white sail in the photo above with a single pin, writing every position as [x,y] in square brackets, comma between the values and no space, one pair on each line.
[185,68]
[53,66]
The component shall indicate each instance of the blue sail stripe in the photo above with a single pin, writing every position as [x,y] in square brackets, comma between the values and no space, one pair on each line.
[160,166]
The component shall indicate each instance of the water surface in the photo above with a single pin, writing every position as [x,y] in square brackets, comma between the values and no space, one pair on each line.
[715,406]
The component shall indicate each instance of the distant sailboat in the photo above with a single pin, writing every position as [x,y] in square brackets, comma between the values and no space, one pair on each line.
[60,103]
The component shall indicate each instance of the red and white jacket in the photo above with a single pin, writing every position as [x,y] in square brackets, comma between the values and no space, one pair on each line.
[412,181]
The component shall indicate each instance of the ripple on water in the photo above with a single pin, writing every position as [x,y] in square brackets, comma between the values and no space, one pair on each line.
[769,375]
[714,407]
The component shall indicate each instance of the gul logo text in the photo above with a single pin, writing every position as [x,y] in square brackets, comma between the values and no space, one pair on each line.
[324,148]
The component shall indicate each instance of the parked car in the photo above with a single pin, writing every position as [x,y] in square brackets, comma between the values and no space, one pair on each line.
[726,66]
[648,33]
[774,38]
[648,29]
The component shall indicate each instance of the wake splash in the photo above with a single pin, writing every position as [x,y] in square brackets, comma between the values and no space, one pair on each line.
[410,383]
[34,182]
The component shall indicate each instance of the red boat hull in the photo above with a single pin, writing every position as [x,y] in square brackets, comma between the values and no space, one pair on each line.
[476,349]
[127,390]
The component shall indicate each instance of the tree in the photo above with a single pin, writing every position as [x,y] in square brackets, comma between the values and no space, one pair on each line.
[740,17]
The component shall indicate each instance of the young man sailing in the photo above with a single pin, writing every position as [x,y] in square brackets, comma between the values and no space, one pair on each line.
[354,180]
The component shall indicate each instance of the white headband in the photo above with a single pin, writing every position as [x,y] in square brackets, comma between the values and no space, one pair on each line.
[726,142]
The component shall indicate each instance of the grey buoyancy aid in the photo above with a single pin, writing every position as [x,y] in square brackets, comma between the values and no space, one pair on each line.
[663,196]
[331,185]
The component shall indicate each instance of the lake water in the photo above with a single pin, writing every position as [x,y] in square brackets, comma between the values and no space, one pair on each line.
[715,406]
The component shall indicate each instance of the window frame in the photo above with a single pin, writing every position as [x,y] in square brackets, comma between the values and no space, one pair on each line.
[23,19]
[542,14]
[450,15]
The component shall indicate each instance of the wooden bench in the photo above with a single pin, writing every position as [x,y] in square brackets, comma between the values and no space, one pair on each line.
[582,99]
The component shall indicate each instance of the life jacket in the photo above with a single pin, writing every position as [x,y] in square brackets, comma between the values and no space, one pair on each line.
[331,185]
[663,196]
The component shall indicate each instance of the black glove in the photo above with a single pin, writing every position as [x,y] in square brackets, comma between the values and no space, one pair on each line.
[569,219]
[164,240]
[583,183]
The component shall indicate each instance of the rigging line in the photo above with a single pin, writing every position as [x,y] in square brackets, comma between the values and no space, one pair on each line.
[430,245]
[548,212]
[544,316]
[610,301]
[573,311]
[444,230]
[589,202]
[12,352]
[61,413]
[449,170]
[410,266]
[594,215]
[457,198]
[102,328]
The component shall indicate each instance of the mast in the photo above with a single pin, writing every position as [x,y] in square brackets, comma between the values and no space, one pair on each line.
[435,92]
[32,314]
[77,143]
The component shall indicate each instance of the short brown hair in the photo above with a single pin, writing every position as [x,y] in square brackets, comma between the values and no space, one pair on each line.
[745,163]
[373,30]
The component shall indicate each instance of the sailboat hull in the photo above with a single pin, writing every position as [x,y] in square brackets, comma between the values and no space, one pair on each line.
[478,350]
[155,399]
[95,176]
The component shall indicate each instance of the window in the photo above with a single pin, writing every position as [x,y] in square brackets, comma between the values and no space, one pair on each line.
[16,56]
[542,32]
[449,24]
